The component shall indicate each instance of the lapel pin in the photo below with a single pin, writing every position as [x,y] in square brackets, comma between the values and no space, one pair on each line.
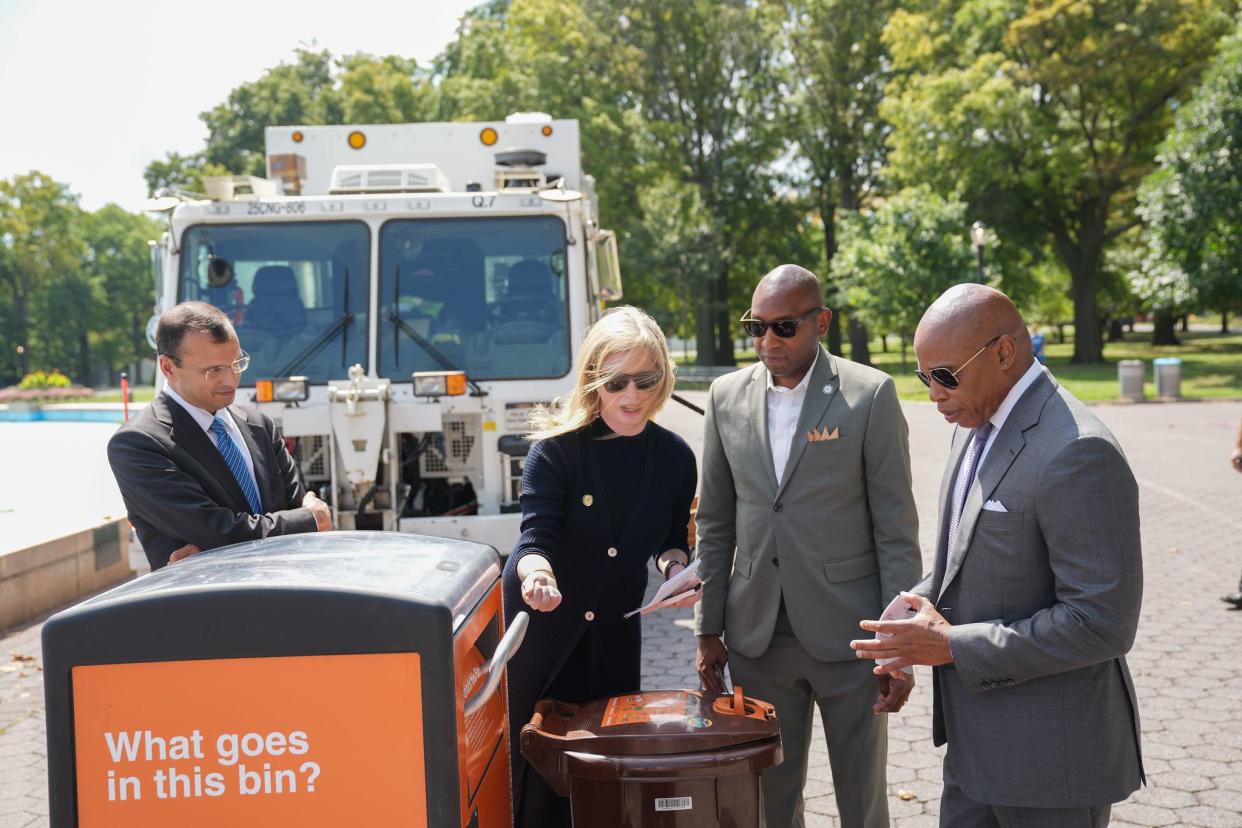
[587,500]
[828,388]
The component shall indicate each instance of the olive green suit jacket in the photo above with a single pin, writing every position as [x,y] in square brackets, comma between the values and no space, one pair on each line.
[836,538]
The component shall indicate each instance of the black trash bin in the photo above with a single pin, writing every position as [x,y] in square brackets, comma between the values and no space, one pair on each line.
[343,678]
[663,759]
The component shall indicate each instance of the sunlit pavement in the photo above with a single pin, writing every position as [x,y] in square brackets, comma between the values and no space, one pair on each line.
[1186,661]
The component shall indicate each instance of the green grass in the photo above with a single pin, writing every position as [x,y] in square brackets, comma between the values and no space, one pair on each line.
[1211,366]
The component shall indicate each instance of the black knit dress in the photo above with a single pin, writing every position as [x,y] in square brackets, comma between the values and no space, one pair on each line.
[599,507]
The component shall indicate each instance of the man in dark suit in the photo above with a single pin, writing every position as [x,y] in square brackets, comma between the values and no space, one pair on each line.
[196,471]
[1038,582]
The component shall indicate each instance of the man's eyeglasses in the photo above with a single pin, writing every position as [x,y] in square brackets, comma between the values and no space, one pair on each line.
[948,379]
[784,328]
[219,372]
[646,381]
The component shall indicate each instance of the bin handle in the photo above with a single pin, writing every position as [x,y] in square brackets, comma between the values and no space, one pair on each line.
[494,669]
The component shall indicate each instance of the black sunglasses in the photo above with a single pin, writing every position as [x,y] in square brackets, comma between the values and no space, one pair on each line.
[784,328]
[948,379]
[643,382]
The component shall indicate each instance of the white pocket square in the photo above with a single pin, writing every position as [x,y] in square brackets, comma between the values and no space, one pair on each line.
[994,506]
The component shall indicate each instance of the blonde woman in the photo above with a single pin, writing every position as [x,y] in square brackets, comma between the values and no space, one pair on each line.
[605,490]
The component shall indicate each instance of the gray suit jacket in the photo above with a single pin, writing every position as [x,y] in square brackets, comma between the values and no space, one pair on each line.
[837,537]
[1039,709]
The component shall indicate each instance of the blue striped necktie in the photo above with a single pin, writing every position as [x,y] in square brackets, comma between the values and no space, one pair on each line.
[237,464]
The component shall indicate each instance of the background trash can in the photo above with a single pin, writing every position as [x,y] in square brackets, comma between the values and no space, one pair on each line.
[342,678]
[1168,377]
[656,759]
[1132,375]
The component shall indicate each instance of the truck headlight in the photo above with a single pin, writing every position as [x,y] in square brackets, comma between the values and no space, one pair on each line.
[439,383]
[289,389]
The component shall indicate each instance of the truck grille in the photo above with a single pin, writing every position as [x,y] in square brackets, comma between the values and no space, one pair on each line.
[453,452]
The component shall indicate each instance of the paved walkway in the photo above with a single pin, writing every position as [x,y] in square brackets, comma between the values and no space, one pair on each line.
[1190,694]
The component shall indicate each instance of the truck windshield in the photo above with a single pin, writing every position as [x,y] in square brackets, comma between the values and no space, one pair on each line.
[297,293]
[489,294]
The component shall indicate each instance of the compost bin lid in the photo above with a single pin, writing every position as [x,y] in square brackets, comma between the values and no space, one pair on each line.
[651,723]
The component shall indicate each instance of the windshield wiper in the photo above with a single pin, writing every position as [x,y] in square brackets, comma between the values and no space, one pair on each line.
[432,351]
[312,350]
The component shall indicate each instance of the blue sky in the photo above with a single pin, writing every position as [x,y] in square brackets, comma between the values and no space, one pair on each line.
[92,91]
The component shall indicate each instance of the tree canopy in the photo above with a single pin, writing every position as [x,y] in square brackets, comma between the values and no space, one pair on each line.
[861,139]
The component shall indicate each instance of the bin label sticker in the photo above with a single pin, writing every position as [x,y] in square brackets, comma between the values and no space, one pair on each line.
[646,708]
[674,803]
[301,740]
[699,721]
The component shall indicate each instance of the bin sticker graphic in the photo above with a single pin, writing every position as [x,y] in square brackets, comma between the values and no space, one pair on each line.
[645,708]
[303,740]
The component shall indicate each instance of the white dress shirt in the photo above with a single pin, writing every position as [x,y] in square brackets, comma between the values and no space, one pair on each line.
[1002,413]
[204,418]
[784,409]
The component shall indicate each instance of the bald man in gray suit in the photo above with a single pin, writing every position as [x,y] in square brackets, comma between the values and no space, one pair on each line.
[806,526]
[1035,596]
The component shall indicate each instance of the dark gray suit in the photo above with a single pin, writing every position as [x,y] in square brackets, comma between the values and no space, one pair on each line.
[790,567]
[177,488]
[1038,708]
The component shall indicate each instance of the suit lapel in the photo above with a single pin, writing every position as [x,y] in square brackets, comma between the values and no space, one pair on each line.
[1005,449]
[186,434]
[256,437]
[757,408]
[821,390]
[957,451]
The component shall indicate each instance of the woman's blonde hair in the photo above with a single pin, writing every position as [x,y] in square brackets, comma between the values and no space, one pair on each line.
[621,330]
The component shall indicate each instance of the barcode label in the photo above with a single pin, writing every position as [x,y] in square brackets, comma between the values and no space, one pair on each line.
[674,803]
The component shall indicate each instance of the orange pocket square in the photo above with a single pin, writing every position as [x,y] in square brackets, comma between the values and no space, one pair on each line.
[819,436]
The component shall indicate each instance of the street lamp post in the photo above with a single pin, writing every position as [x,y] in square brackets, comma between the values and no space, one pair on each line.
[979,235]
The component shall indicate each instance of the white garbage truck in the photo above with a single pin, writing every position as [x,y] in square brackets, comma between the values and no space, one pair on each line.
[406,293]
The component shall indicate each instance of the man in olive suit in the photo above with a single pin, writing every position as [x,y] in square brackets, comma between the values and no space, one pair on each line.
[806,526]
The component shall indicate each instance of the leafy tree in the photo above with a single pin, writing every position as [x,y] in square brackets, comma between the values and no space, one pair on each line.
[840,67]
[1193,202]
[314,89]
[567,58]
[710,89]
[670,248]
[1047,303]
[39,234]
[302,92]
[383,90]
[1045,115]
[899,258]
[180,172]
[1161,289]
[118,263]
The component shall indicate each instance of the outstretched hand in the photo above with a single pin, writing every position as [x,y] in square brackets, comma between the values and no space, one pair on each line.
[923,639]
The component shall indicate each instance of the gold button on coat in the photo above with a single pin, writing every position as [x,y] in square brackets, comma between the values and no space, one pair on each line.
[590,616]
[612,552]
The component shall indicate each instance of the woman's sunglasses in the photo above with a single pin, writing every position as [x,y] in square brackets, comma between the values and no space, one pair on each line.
[784,328]
[643,382]
[948,379]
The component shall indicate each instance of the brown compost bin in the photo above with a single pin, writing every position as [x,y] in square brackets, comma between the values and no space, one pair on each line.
[656,759]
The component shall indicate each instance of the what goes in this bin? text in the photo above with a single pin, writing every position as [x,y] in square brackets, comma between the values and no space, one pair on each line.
[179,776]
